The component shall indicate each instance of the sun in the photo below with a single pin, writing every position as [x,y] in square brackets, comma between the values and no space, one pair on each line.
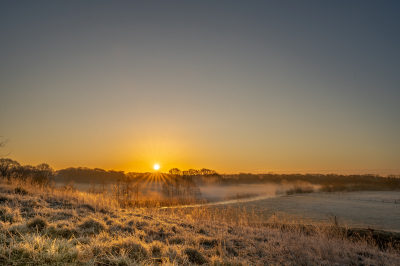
[156,167]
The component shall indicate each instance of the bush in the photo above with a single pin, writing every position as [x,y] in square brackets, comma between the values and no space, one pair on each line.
[300,189]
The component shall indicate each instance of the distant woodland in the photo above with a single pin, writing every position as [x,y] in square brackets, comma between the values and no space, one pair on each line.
[175,180]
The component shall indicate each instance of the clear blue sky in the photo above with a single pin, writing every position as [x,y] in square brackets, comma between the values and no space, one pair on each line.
[251,86]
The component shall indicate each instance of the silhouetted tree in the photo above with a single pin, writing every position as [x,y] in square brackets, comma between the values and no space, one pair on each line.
[133,175]
[175,171]
[45,170]
[167,188]
[103,185]
[87,175]
[92,188]
[180,184]
[136,189]
[7,166]
[117,190]
[3,144]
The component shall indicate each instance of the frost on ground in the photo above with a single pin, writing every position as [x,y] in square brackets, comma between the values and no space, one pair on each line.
[379,210]
[47,226]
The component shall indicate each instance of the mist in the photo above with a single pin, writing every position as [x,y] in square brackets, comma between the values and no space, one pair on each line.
[223,192]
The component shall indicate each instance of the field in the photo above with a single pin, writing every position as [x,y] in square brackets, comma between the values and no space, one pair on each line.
[376,210]
[365,209]
[147,189]
[46,226]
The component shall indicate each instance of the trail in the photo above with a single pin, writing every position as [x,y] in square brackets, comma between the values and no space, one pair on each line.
[224,202]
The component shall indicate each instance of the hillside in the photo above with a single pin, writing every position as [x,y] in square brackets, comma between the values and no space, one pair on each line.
[43,225]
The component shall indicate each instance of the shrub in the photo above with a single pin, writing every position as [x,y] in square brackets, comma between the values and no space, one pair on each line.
[300,190]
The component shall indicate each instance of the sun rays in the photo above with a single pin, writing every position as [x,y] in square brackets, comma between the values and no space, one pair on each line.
[152,181]
[158,151]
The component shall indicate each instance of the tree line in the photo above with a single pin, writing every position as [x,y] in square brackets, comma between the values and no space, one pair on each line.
[185,183]
[41,173]
[182,184]
[329,182]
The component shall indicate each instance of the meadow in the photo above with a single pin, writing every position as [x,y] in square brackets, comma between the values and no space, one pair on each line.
[378,210]
[44,225]
[364,209]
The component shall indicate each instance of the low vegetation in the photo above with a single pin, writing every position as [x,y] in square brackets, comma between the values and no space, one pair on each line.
[239,196]
[49,226]
[300,188]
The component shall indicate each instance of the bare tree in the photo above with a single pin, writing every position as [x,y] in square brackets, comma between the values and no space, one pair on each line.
[3,144]
[193,172]
[103,187]
[175,171]
[7,166]
[45,170]
[136,189]
[133,175]
[69,186]
[181,184]
[167,188]
[117,190]
[92,189]
[127,187]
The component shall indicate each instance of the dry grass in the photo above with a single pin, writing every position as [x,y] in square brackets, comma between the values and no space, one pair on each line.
[49,226]
[158,202]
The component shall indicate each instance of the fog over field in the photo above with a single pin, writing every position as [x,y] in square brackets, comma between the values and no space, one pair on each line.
[366,209]
[375,210]
[212,192]
[223,192]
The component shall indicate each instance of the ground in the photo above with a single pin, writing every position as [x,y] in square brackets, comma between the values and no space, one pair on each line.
[45,226]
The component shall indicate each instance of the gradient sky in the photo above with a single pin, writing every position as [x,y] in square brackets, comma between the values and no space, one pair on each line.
[234,86]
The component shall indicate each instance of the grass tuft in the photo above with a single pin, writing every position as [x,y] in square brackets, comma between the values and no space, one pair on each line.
[92,226]
[37,223]
[20,190]
[195,256]
[9,215]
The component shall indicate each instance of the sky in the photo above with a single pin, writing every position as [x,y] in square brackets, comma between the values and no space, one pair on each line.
[233,86]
